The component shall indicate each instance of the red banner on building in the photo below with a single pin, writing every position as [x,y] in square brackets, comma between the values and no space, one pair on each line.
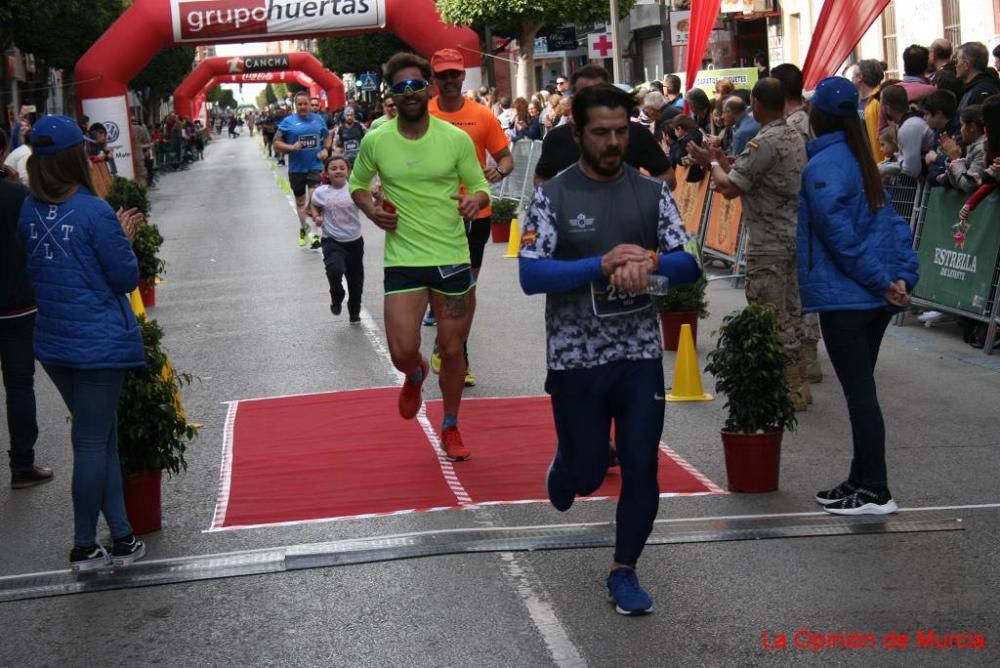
[704,14]
[841,26]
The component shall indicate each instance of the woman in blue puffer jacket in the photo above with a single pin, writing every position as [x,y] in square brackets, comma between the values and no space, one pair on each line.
[856,268]
[82,267]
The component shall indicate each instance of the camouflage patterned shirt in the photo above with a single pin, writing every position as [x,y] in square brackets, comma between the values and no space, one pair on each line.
[769,174]
[576,336]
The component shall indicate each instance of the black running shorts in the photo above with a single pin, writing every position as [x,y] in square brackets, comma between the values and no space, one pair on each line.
[478,233]
[451,279]
[299,181]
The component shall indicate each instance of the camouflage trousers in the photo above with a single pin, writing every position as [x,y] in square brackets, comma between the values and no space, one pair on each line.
[773,281]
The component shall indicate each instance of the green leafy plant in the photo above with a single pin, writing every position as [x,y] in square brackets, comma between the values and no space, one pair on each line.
[504,209]
[146,245]
[153,433]
[126,194]
[685,298]
[748,364]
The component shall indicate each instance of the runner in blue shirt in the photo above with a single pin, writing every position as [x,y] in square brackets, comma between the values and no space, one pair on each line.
[301,136]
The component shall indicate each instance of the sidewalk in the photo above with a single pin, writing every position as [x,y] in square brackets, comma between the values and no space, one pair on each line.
[245,310]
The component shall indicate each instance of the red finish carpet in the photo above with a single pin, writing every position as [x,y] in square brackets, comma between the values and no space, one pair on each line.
[347,454]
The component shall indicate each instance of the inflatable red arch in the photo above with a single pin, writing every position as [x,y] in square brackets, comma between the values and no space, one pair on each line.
[148,26]
[263,65]
[200,100]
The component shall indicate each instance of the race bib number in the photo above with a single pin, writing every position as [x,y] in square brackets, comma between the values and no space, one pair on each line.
[609,302]
[309,141]
[351,146]
[449,270]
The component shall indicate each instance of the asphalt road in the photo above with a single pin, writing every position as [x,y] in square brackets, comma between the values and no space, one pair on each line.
[245,310]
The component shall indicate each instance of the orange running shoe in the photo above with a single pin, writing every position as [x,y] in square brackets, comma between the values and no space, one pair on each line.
[451,443]
[410,396]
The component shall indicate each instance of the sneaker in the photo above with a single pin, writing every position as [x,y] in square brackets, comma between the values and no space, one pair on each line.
[36,475]
[435,357]
[355,319]
[337,307]
[430,320]
[839,492]
[627,594]
[410,395]
[470,378]
[451,443]
[92,558]
[302,238]
[864,502]
[561,495]
[314,243]
[127,550]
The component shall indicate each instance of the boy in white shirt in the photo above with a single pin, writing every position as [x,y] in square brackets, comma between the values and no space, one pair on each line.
[343,246]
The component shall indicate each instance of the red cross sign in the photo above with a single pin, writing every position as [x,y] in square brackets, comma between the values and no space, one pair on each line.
[600,45]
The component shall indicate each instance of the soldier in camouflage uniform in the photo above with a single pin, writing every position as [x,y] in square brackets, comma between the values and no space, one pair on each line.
[797,116]
[768,176]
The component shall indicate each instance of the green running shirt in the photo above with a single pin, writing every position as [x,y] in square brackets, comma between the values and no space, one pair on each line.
[419,177]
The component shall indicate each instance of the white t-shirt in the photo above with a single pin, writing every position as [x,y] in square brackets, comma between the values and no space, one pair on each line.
[18,161]
[341,218]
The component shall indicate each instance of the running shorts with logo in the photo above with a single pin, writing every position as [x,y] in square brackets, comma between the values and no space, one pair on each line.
[451,280]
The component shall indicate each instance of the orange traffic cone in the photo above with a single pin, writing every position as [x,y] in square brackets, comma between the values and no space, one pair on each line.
[687,378]
[514,241]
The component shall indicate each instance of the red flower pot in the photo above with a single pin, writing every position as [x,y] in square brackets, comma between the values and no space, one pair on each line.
[670,325]
[147,290]
[142,501]
[752,460]
[500,232]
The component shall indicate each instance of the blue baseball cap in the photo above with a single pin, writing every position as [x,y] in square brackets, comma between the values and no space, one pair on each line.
[53,134]
[836,96]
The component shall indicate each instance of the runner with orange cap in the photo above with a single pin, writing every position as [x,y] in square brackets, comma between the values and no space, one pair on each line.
[483,127]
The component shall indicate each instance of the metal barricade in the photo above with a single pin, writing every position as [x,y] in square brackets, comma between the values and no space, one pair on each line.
[520,183]
[906,193]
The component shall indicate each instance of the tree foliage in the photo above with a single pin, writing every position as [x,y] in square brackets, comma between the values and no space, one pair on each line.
[523,19]
[223,97]
[359,53]
[514,14]
[162,75]
[57,32]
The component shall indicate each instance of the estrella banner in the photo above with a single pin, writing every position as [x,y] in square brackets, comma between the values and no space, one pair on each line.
[958,261]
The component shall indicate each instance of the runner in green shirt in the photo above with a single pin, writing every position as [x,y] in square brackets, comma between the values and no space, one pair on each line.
[421,162]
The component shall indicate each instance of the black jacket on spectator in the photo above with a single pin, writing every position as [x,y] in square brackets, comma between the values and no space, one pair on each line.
[678,150]
[16,295]
[981,87]
[559,151]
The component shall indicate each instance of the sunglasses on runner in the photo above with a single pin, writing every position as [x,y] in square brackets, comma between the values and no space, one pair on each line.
[410,86]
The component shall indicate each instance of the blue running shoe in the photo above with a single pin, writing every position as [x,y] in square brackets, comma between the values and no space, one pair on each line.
[561,495]
[430,320]
[627,594]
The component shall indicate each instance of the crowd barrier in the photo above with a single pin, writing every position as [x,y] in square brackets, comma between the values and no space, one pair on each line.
[960,266]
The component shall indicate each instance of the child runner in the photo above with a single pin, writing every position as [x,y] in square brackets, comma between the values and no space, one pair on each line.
[343,247]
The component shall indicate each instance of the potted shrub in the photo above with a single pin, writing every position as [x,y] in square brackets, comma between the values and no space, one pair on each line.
[504,210]
[748,364]
[153,432]
[682,305]
[126,194]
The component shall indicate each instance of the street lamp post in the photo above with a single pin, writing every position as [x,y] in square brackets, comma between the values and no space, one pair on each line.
[616,45]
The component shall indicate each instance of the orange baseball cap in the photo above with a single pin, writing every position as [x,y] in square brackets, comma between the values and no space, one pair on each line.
[447,59]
